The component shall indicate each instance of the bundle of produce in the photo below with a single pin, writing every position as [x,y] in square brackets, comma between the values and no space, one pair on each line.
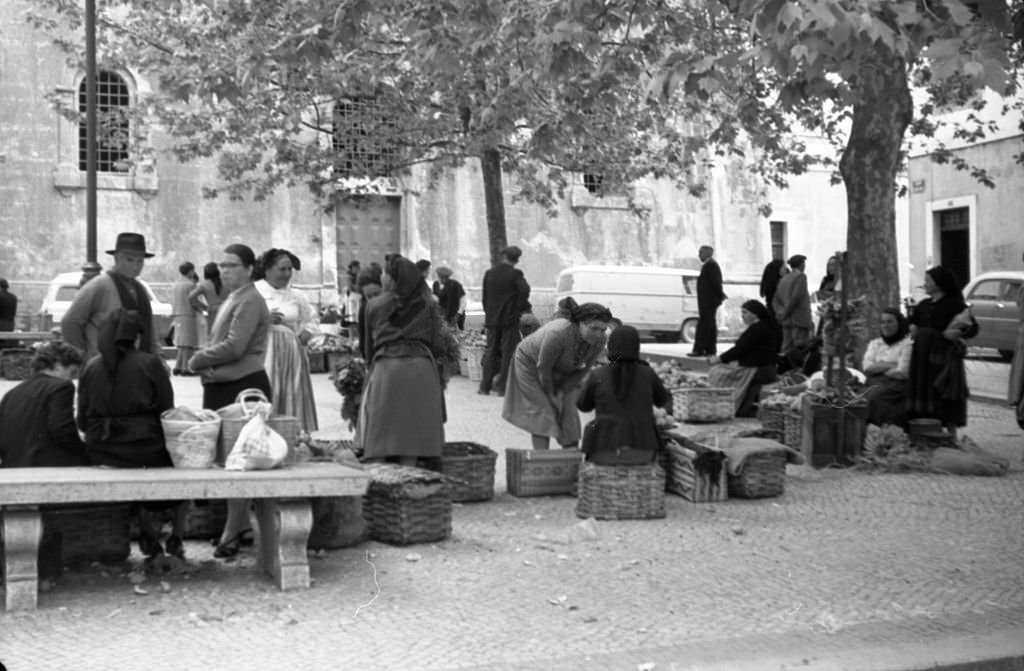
[833,317]
[663,420]
[329,342]
[471,338]
[349,380]
[674,376]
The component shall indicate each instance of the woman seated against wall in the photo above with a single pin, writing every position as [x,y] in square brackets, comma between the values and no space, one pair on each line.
[751,362]
[887,366]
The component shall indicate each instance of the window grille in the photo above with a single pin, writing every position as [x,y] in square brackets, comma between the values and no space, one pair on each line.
[778,232]
[593,183]
[113,101]
[364,138]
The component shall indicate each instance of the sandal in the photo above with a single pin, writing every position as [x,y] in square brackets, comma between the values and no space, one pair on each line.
[228,548]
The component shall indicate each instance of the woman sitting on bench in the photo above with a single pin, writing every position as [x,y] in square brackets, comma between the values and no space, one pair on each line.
[121,394]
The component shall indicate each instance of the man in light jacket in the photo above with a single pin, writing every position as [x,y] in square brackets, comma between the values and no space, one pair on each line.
[792,305]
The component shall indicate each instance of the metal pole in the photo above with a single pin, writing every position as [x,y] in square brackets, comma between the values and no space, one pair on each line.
[91,268]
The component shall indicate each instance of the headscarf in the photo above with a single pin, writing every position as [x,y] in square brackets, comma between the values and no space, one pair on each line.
[758,309]
[623,357]
[902,327]
[408,291]
[117,336]
[946,282]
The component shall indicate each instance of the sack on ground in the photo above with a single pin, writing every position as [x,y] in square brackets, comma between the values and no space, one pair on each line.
[960,462]
[191,436]
[258,447]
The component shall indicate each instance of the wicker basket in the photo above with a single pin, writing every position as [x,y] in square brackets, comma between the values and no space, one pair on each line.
[773,418]
[682,478]
[90,532]
[317,362]
[621,492]
[405,505]
[793,423]
[474,363]
[703,404]
[763,475]
[541,472]
[16,363]
[470,467]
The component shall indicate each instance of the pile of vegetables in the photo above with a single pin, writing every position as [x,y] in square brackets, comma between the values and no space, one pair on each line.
[349,379]
[674,376]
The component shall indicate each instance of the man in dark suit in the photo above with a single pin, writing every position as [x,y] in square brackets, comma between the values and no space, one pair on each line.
[709,297]
[506,296]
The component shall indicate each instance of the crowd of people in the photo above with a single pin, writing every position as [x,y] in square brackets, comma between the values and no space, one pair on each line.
[243,326]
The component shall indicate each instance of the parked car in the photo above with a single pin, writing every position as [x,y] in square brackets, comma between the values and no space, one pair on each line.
[659,302]
[993,300]
[63,288]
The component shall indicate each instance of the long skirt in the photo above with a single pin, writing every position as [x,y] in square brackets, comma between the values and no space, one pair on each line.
[186,330]
[529,408]
[937,384]
[402,413]
[288,367]
[887,400]
[1016,386]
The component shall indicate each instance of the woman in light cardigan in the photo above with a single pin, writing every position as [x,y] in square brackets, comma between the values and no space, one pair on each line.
[233,361]
[887,366]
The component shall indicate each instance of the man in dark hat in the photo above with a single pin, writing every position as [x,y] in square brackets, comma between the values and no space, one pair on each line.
[792,305]
[506,296]
[109,291]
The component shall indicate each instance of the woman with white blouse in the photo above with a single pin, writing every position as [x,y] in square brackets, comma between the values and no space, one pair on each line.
[293,322]
[887,366]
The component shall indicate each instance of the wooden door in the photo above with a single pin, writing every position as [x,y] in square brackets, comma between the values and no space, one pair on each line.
[367,228]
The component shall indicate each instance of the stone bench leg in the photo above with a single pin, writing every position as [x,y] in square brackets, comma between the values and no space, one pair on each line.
[284,531]
[22,530]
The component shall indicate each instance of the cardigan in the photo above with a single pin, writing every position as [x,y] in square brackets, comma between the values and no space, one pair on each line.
[238,338]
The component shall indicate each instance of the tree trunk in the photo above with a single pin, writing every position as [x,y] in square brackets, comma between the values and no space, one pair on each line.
[869,166]
[494,201]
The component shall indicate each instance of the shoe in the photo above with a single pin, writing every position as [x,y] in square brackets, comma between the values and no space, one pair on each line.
[176,371]
[150,547]
[175,547]
[483,393]
[246,537]
[227,549]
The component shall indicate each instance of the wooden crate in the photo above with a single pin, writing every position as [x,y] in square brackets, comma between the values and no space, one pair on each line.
[470,469]
[683,478]
[541,472]
[821,441]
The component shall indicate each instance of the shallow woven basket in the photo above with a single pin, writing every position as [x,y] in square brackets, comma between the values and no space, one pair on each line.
[763,475]
[541,472]
[621,492]
[703,404]
[793,422]
[470,467]
[405,505]
[772,419]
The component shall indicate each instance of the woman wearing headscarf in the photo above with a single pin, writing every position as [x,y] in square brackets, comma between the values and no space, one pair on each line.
[887,366]
[121,394]
[292,323]
[623,395]
[370,285]
[233,361]
[547,370]
[751,362]
[402,414]
[939,325]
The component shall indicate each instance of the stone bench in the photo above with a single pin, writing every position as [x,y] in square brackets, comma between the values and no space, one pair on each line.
[282,499]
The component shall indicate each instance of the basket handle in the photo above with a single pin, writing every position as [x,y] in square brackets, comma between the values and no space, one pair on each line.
[247,394]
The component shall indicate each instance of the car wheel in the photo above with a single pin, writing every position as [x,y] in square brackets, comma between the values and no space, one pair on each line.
[688,332]
[1007,354]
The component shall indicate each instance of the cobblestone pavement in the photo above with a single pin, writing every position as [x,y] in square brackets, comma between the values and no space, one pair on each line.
[845,570]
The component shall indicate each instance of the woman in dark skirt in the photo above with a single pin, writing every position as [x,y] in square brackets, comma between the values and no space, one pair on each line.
[233,361]
[938,383]
[623,395]
[887,366]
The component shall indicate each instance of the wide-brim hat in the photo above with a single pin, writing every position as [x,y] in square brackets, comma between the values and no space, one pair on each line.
[130,242]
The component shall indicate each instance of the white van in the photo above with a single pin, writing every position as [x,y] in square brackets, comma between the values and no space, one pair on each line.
[659,302]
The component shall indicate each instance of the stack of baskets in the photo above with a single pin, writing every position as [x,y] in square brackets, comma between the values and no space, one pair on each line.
[703,404]
[621,492]
[541,472]
[405,505]
[470,470]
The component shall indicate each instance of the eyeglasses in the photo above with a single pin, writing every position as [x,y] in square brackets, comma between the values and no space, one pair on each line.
[228,264]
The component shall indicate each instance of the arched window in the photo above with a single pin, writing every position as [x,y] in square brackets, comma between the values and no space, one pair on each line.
[113,101]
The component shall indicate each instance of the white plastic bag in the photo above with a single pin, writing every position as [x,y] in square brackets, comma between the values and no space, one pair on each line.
[258,447]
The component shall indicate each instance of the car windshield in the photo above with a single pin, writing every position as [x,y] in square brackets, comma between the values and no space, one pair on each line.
[66,294]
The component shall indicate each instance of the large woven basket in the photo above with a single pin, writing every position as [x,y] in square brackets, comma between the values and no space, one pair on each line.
[90,532]
[793,422]
[16,363]
[703,404]
[470,469]
[621,492]
[773,418]
[230,427]
[405,505]
[541,472]
[682,477]
[763,475]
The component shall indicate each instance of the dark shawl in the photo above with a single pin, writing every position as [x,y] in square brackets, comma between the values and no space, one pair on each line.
[134,297]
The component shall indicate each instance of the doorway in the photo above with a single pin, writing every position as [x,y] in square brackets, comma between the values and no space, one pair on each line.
[955,242]
[367,228]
